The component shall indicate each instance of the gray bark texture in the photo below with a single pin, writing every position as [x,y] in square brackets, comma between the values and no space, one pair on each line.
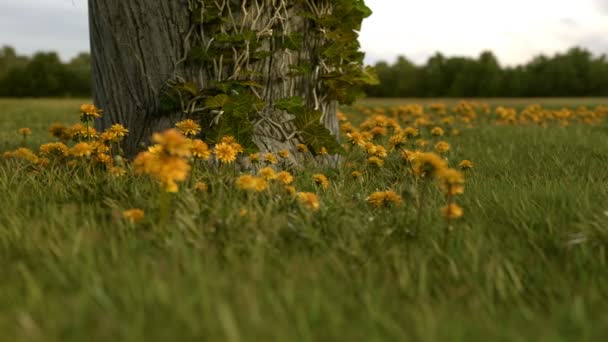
[139,46]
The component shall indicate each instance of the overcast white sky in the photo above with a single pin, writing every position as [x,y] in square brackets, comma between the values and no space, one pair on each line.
[515,30]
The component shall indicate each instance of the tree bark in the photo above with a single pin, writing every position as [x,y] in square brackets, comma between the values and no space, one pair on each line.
[139,46]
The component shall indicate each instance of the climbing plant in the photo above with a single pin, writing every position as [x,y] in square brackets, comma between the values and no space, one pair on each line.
[238,47]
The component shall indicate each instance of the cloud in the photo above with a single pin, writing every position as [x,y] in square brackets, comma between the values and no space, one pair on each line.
[32,26]
[602,5]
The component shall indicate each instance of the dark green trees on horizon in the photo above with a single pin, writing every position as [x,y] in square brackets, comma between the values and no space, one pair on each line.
[576,72]
[44,75]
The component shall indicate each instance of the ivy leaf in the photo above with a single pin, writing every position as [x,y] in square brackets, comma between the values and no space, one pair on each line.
[293,105]
[218,101]
[315,135]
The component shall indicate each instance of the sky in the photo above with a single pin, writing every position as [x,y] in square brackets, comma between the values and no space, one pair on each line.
[515,30]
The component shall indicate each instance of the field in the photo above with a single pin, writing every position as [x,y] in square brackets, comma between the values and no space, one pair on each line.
[527,260]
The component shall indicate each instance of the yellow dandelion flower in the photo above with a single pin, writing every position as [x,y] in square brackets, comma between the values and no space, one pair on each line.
[302,148]
[228,139]
[283,154]
[173,143]
[270,158]
[284,177]
[56,149]
[117,171]
[397,141]
[108,136]
[375,162]
[59,131]
[451,181]
[323,151]
[437,131]
[225,153]
[356,174]
[320,180]
[356,138]
[201,186]
[409,156]
[452,211]
[79,132]
[254,157]
[410,132]
[290,190]
[103,159]
[89,112]
[200,150]
[251,183]
[25,131]
[172,170]
[188,127]
[133,215]
[308,200]
[119,130]
[99,147]
[428,164]
[442,147]
[268,173]
[385,199]
[81,150]
[466,165]
[22,153]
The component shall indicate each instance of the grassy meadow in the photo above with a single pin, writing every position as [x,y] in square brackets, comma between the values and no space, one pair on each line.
[526,261]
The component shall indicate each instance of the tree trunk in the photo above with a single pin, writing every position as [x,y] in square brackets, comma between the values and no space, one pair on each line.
[140,47]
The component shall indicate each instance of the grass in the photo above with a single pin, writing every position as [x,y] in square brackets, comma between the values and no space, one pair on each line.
[513,102]
[528,261]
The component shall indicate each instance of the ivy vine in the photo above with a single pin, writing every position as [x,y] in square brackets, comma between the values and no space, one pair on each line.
[234,43]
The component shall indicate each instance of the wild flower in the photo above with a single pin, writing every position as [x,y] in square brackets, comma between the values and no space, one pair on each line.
[22,153]
[284,177]
[200,150]
[54,149]
[166,161]
[88,112]
[81,150]
[59,131]
[188,127]
[451,181]
[356,174]
[320,180]
[254,157]
[133,215]
[301,148]
[270,158]
[428,165]
[452,211]
[308,200]
[437,131]
[290,190]
[442,147]
[225,153]
[201,186]
[267,173]
[375,162]
[251,183]
[385,199]
[466,165]
[283,153]
[25,131]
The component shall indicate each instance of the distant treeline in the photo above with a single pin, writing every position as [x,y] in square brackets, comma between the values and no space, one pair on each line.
[43,74]
[574,73]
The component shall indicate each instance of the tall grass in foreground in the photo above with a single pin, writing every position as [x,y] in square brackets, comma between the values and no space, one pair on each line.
[526,261]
